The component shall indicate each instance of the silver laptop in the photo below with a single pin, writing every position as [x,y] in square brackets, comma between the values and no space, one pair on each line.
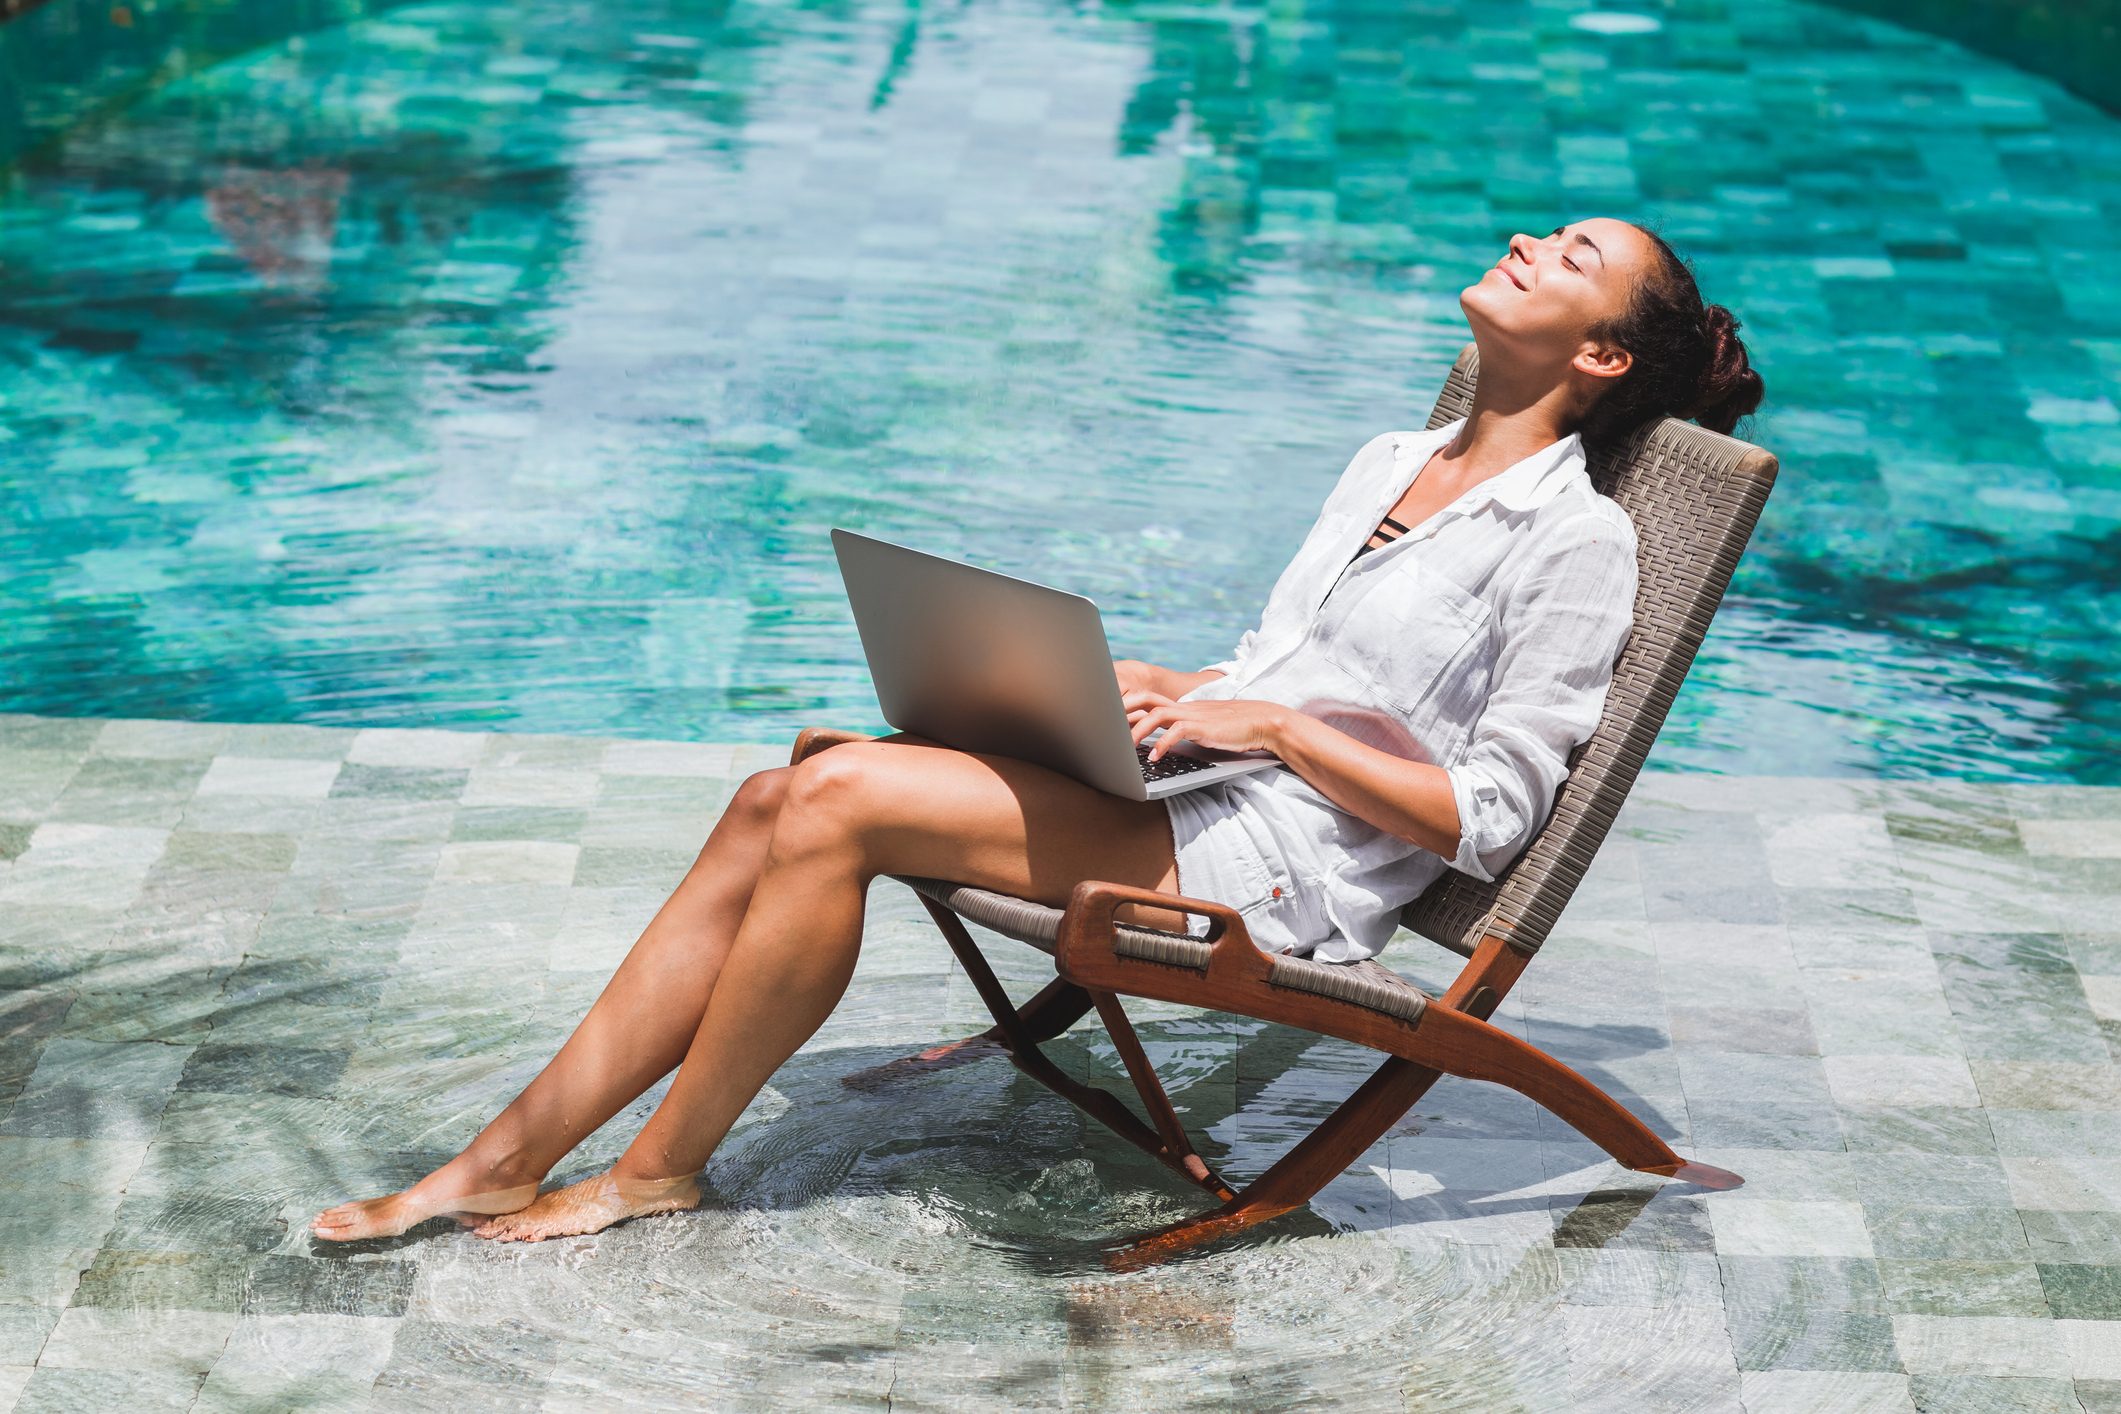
[982,661]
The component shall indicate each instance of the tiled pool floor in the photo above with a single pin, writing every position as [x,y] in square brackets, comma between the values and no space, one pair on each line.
[252,970]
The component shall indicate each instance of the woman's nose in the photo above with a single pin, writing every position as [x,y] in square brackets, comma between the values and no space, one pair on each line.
[1521,246]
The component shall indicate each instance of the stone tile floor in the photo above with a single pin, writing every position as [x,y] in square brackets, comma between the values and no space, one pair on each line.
[252,970]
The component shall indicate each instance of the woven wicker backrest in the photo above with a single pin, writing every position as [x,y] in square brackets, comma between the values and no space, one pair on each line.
[1694,496]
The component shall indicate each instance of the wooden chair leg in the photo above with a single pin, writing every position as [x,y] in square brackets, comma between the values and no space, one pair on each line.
[1108,1110]
[1465,1045]
[1058,1006]
[1453,1038]
[1176,1143]
[1295,1178]
[1479,1052]
[1017,1034]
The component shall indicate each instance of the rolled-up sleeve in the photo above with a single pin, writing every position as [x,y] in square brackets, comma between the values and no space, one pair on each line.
[1563,626]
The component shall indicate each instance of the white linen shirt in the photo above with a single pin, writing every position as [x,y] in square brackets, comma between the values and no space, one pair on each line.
[1482,640]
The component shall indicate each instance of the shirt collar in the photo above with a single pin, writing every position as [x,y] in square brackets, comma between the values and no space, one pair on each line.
[1525,486]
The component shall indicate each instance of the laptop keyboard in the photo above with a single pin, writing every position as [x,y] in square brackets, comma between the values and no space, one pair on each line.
[1165,767]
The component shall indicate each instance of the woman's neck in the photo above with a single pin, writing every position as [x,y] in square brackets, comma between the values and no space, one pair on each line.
[1506,424]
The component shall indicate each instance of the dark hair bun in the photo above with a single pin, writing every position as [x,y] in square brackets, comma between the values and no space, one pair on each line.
[1730,388]
[1686,357]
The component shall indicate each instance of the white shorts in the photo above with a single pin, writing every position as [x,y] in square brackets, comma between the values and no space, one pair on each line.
[1226,855]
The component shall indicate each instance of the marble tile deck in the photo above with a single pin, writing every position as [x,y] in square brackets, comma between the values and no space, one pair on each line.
[249,971]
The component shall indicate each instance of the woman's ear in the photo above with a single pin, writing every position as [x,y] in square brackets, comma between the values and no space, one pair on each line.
[1602,360]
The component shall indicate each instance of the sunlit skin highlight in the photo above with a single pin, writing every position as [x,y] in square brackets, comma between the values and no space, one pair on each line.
[756,945]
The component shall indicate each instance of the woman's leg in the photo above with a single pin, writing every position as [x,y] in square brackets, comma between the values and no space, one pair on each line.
[853,812]
[636,1032]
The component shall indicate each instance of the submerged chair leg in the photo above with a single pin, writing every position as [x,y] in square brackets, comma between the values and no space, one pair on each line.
[1016,1033]
[1396,1087]
[1295,1178]
[1343,1136]
[1177,1146]
[1470,1047]
[1058,1006]
[1108,1110]
[1452,1036]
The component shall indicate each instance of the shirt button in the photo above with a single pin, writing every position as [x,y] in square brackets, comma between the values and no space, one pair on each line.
[1277,891]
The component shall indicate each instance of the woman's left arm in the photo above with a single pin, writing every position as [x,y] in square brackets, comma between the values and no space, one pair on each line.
[1410,799]
[1563,626]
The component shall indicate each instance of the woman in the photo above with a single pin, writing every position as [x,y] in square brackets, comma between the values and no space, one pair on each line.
[1423,701]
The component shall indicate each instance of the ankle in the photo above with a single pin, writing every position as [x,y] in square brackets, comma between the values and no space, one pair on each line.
[491,1172]
[643,1192]
[631,1177]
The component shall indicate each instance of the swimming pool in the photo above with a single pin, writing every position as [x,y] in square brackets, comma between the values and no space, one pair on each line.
[505,365]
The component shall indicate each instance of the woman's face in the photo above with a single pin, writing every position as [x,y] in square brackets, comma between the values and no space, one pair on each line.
[1541,300]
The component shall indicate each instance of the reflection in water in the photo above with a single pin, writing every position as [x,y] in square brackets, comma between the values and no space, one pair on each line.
[603,314]
[281,224]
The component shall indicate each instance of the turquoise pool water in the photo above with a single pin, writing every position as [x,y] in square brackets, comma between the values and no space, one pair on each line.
[505,364]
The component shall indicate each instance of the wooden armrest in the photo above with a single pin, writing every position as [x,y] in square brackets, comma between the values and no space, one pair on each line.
[1083,951]
[814,739]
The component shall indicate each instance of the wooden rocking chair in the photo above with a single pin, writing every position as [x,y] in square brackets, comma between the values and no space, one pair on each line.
[1694,496]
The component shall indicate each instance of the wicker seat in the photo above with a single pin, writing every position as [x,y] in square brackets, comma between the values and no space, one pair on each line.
[1366,984]
[1694,496]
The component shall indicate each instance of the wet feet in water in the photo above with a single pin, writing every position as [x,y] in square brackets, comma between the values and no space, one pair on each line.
[593,1205]
[388,1216]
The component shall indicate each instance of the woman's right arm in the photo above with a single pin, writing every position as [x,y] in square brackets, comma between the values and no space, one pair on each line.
[1135,675]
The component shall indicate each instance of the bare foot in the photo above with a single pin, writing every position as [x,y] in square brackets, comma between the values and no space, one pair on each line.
[593,1205]
[388,1216]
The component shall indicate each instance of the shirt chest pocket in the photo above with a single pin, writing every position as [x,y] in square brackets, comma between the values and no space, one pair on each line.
[1413,637]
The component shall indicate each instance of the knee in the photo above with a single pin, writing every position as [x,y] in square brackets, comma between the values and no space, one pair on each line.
[761,793]
[825,783]
[824,798]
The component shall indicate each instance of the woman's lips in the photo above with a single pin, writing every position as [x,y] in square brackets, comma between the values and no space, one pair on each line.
[1511,276]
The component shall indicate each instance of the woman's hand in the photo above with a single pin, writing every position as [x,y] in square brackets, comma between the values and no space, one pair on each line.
[1136,676]
[1219,724]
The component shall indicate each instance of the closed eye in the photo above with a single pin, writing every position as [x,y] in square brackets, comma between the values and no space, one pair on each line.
[1581,239]
[1565,260]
